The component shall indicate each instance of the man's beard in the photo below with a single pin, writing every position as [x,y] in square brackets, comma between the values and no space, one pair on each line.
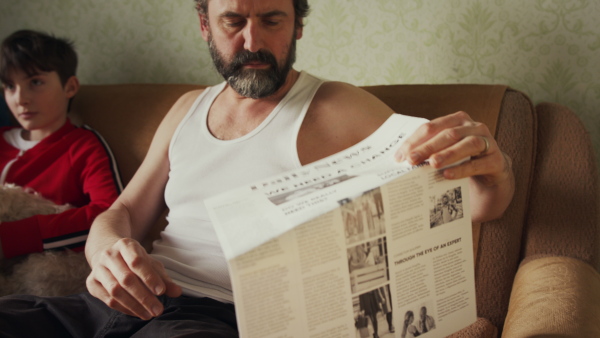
[254,83]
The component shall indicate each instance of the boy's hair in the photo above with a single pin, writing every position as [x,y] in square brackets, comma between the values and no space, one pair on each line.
[32,52]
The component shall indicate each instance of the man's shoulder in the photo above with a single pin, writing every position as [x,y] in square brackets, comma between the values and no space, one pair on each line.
[176,114]
[185,101]
[347,103]
[191,96]
[332,91]
[339,116]
[345,96]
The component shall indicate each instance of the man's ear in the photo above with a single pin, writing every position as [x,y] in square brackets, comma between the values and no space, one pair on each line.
[72,86]
[204,28]
[299,29]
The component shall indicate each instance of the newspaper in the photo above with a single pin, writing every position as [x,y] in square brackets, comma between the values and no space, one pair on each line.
[351,243]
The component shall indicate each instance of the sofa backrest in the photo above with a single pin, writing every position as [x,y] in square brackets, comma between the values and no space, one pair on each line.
[127,116]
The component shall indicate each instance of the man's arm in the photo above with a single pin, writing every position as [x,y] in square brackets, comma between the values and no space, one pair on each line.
[123,275]
[342,115]
[449,139]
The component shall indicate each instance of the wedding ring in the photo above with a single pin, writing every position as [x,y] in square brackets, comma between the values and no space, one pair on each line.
[487,146]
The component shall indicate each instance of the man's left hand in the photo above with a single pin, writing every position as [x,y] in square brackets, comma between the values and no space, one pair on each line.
[449,139]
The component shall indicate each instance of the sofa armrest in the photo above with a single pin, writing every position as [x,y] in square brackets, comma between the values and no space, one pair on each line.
[564,210]
[554,296]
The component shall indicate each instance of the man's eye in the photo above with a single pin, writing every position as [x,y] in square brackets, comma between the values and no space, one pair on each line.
[235,23]
[271,23]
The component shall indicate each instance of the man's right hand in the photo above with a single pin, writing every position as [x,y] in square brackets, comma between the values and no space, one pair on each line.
[127,279]
[123,275]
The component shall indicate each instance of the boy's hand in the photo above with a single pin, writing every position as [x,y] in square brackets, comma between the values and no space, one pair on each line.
[127,279]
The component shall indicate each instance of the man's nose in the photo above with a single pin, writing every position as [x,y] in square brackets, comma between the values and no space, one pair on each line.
[253,41]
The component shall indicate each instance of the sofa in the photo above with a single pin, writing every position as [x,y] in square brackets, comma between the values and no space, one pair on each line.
[535,267]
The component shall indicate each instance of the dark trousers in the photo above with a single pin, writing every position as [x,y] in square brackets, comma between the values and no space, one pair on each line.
[83,315]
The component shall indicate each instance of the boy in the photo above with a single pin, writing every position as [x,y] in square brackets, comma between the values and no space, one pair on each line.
[47,153]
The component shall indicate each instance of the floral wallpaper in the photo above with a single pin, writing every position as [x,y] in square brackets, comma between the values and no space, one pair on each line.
[549,49]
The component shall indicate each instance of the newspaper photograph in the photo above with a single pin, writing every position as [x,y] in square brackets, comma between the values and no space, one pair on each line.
[353,245]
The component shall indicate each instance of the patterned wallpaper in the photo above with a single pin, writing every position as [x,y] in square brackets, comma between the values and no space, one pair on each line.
[549,49]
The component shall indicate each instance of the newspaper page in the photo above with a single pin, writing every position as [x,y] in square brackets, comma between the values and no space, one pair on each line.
[354,245]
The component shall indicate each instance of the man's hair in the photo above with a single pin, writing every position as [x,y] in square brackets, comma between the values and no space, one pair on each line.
[32,52]
[301,9]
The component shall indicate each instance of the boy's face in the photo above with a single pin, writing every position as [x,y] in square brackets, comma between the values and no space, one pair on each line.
[39,102]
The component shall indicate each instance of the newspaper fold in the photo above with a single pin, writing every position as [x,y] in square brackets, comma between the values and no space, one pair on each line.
[355,244]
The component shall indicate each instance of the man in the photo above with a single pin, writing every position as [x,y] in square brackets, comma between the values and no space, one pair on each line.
[449,211]
[426,323]
[266,118]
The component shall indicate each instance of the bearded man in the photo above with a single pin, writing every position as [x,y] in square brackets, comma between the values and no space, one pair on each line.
[266,118]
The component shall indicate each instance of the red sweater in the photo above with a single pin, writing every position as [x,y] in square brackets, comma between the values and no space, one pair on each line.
[73,165]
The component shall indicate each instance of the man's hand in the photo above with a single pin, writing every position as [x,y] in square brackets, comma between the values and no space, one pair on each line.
[127,279]
[449,139]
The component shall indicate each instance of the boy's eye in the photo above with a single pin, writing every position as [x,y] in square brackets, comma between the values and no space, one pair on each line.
[7,86]
[37,82]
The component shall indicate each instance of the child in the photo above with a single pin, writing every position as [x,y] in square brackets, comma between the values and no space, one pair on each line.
[48,154]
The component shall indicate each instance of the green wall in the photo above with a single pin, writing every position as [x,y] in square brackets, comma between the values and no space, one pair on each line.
[550,49]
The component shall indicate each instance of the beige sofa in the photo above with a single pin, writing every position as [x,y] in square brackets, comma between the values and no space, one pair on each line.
[535,267]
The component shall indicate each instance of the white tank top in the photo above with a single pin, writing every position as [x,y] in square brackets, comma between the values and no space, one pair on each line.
[202,166]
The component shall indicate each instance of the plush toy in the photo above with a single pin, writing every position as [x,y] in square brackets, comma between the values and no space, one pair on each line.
[49,273]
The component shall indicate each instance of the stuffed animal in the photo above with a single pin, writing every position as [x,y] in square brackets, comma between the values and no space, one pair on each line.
[49,273]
